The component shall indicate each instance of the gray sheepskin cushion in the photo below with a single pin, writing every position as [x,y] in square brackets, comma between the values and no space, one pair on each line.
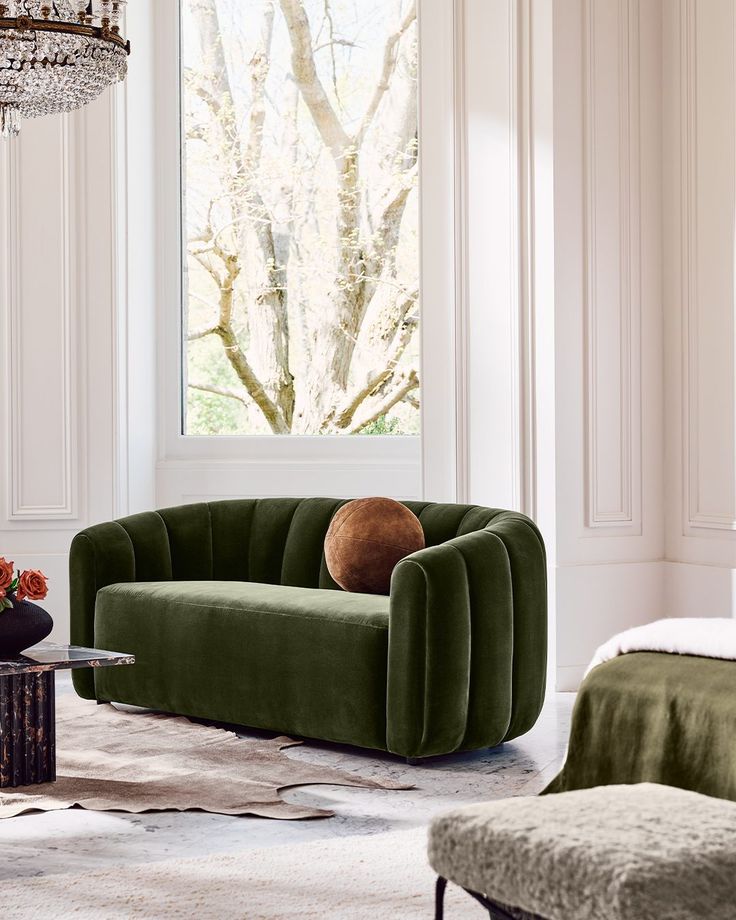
[644,852]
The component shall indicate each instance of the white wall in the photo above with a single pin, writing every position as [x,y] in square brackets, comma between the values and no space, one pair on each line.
[645,185]
[699,297]
[608,323]
[77,326]
[57,361]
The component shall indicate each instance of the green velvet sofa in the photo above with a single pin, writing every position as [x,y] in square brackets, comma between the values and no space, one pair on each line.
[232,616]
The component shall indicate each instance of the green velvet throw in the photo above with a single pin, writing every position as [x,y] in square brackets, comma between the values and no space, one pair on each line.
[233,616]
[649,717]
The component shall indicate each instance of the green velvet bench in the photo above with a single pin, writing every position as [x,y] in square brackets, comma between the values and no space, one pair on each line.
[677,714]
[232,616]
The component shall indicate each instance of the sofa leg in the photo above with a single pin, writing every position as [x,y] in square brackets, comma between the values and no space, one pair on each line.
[439,898]
[415,761]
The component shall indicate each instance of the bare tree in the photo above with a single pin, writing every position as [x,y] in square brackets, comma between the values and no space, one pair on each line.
[353,338]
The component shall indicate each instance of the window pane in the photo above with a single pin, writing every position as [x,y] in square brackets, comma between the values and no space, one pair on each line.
[301,217]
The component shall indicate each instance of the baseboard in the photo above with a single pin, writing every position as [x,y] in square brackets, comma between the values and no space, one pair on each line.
[569,679]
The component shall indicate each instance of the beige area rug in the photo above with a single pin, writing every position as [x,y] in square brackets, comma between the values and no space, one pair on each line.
[109,760]
[381,877]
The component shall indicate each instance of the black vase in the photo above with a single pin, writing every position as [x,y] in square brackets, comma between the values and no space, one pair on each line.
[21,626]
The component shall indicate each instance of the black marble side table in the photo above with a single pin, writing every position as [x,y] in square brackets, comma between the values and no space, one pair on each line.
[28,709]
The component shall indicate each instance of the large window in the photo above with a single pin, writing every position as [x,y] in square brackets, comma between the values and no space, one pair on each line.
[301,294]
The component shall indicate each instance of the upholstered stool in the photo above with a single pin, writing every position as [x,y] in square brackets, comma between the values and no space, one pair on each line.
[644,852]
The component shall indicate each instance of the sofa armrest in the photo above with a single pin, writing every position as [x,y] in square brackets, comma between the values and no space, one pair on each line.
[468,641]
[102,555]
[133,549]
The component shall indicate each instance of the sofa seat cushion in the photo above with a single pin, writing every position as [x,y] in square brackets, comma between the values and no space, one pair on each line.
[304,661]
[643,852]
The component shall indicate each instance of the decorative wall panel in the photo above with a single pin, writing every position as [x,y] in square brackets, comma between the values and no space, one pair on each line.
[707,226]
[612,234]
[38,354]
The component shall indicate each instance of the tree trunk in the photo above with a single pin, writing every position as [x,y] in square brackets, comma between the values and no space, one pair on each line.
[267,316]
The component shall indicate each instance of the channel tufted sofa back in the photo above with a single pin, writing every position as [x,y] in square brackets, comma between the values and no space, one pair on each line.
[268,540]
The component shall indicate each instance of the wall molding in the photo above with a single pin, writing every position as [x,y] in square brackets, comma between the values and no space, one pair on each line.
[181,481]
[694,517]
[20,505]
[462,257]
[521,229]
[525,206]
[613,500]
[495,443]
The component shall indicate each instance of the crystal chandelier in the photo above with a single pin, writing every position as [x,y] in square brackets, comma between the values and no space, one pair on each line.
[57,55]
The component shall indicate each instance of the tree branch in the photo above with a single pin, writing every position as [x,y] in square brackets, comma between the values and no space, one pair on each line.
[250,381]
[270,327]
[331,46]
[407,384]
[382,258]
[342,42]
[208,267]
[378,379]
[390,57]
[305,73]
[201,333]
[219,391]
[234,353]
[269,323]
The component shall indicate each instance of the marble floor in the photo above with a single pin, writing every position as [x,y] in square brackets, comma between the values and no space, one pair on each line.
[75,840]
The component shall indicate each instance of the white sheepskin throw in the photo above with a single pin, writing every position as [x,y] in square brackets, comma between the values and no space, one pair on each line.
[707,638]
[644,852]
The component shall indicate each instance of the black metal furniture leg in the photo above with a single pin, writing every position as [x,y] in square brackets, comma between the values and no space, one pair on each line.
[495,911]
[439,898]
[27,729]
[498,911]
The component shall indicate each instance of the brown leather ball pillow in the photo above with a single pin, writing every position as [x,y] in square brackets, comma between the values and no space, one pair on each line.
[365,540]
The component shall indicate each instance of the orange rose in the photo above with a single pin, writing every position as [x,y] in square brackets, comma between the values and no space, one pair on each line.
[32,585]
[6,573]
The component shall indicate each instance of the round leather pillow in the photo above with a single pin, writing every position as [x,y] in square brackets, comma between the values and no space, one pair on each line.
[365,540]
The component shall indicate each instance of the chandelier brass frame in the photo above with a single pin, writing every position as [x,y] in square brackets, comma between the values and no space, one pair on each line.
[106,32]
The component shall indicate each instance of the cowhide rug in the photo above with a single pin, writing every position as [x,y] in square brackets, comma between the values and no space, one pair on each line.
[113,760]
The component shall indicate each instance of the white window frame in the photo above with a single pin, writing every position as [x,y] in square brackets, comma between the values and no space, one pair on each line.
[405,466]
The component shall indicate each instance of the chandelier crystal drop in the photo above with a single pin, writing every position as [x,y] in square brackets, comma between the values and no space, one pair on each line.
[57,55]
